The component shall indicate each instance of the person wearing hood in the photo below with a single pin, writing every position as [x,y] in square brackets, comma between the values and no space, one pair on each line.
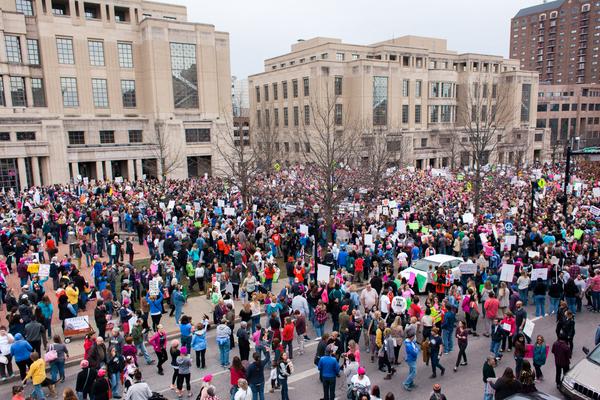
[21,351]
[223,333]
[199,343]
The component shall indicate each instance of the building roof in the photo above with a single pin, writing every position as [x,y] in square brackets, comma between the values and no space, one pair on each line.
[551,5]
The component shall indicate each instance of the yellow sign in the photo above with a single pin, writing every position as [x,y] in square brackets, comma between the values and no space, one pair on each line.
[277,167]
[541,183]
[469,186]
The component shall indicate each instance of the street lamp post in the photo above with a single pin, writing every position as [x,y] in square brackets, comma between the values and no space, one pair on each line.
[316,210]
[533,184]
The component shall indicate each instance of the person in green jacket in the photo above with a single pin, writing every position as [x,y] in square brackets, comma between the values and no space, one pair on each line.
[138,339]
[539,356]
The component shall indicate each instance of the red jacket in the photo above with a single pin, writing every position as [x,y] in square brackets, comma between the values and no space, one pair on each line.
[288,333]
[236,375]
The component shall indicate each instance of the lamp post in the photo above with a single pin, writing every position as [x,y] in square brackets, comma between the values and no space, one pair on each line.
[316,210]
[533,189]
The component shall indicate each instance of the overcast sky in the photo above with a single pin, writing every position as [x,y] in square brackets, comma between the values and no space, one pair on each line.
[260,29]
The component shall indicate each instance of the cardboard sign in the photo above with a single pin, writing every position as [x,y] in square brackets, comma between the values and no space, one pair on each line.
[483,238]
[507,273]
[596,191]
[132,321]
[230,211]
[577,234]
[411,278]
[368,240]
[506,327]
[468,268]
[468,218]
[413,226]
[401,226]
[77,326]
[533,254]
[528,328]
[539,273]
[44,270]
[323,272]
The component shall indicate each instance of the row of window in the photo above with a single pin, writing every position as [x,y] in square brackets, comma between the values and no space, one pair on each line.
[544,107]
[286,146]
[68,86]
[105,136]
[66,55]
[18,92]
[21,136]
[296,116]
[295,91]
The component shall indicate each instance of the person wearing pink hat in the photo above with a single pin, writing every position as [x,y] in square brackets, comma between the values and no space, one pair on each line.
[205,388]
[101,387]
[184,362]
[85,380]
[361,384]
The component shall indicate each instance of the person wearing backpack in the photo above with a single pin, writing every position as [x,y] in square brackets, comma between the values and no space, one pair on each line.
[56,354]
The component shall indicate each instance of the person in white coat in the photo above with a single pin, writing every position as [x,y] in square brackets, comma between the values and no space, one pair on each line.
[244,392]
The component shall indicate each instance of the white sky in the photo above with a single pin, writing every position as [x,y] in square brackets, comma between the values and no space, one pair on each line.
[260,29]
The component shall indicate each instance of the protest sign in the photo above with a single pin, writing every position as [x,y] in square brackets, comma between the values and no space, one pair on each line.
[507,273]
[171,204]
[154,287]
[304,229]
[401,226]
[467,268]
[230,211]
[528,328]
[44,270]
[77,326]
[221,203]
[413,226]
[468,218]
[323,272]
[368,240]
[577,234]
[539,273]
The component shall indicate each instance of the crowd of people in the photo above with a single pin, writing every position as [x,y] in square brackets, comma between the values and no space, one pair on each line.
[201,237]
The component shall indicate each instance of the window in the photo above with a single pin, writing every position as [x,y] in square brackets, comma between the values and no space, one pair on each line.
[22,136]
[25,7]
[266,92]
[405,113]
[128,93]
[107,137]
[257,90]
[60,7]
[423,142]
[446,112]
[417,114]
[418,88]
[96,50]
[433,114]
[2,99]
[339,56]
[556,107]
[494,90]
[380,99]
[565,107]
[197,135]
[275,94]
[135,136]
[339,114]
[295,88]
[435,89]
[276,116]
[122,14]
[76,137]
[258,119]
[91,11]
[68,87]
[447,89]
[484,90]
[100,93]
[307,147]
[4,136]
[125,54]
[33,52]
[64,47]
[38,92]
[296,116]
[285,89]
[539,137]
[306,86]
[267,118]
[285,116]
[13,49]
[525,101]
[405,83]
[542,107]
[17,91]
[185,75]
[338,82]
[306,115]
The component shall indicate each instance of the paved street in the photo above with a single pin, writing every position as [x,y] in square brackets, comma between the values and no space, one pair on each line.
[464,384]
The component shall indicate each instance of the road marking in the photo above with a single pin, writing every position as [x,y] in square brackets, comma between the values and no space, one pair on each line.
[311,344]
[303,375]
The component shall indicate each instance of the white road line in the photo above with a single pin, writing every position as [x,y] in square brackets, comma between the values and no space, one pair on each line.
[311,344]
[303,375]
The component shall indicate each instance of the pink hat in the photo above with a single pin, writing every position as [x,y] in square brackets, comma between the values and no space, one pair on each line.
[183,350]
[207,378]
[84,364]
[361,371]
[101,372]
[126,301]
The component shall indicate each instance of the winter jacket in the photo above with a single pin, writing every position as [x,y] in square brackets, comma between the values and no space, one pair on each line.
[155,305]
[155,341]
[20,349]
[412,350]
[199,340]
[85,380]
[539,354]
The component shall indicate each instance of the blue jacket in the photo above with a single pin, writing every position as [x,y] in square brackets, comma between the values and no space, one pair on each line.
[449,320]
[412,350]
[199,340]
[329,367]
[155,305]
[178,299]
[20,349]
[47,309]
[539,354]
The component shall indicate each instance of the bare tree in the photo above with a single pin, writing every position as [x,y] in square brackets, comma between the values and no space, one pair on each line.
[487,110]
[382,148]
[265,143]
[453,148]
[332,143]
[169,158]
[239,165]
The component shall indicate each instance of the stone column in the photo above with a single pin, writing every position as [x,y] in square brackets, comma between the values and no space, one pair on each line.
[35,171]
[7,98]
[75,169]
[139,169]
[99,171]
[23,184]
[108,169]
[131,169]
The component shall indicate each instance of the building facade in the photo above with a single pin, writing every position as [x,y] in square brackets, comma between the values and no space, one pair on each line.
[105,89]
[414,88]
[560,40]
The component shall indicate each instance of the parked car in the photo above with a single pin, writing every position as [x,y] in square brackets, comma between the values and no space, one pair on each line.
[421,266]
[581,382]
[532,396]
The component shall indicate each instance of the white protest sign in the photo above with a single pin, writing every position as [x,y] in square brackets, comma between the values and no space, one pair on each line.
[483,238]
[197,206]
[171,204]
[554,260]
[304,229]
[395,212]
[595,211]
[44,270]
[323,272]
[533,254]
[596,191]
[467,268]
[119,179]
[132,321]
[528,328]
[221,203]
[254,207]
[153,287]
[468,218]
[86,180]
[510,240]
[539,273]
[401,226]
[230,211]
[393,204]
[507,273]
[368,240]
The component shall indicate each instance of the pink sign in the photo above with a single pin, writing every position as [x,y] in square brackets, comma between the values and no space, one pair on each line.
[411,279]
